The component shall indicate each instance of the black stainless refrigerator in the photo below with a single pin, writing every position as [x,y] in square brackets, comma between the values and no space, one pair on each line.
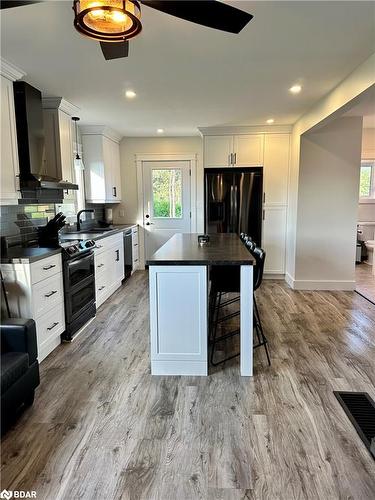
[233,201]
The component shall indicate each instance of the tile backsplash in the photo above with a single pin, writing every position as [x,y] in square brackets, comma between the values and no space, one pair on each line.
[19,223]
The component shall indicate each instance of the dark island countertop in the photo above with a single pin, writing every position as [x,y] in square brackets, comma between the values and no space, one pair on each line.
[183,250]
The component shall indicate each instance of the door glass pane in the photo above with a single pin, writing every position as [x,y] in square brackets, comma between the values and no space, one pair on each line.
[166,193]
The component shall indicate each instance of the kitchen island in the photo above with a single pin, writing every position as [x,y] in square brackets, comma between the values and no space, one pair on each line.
[179,286]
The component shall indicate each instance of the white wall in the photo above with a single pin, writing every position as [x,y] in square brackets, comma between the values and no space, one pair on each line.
[131,146]
[327,206]
[368,144]
[329,108]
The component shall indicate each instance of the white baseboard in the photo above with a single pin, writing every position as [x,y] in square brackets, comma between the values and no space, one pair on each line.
[188,368]
[289,280]
[338,285]
[273,276]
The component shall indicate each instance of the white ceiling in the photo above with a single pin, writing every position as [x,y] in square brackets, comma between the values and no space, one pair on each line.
[187,76]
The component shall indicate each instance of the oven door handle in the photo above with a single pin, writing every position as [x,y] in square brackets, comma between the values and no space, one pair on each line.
[81,259]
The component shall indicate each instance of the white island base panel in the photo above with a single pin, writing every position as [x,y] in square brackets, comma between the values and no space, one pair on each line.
[179,320]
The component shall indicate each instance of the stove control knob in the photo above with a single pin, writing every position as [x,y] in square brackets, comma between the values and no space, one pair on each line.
[90,243]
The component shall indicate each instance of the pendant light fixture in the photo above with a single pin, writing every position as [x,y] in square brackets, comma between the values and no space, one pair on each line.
[108,20]
[76,119]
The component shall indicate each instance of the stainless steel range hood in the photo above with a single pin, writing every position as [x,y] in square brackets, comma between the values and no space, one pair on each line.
[36,173]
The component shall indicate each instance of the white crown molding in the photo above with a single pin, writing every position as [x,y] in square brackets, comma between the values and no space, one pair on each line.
[244,129]
[100,130]
[10,71]
[51,102]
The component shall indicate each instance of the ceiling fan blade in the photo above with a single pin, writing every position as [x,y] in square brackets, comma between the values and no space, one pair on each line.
[114,50]
[10,4]
[209,13]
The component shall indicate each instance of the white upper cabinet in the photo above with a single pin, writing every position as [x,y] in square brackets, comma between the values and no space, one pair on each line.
[233,150]
[218,150]
[276,168]
[9,166]
[248,150]
[101,156]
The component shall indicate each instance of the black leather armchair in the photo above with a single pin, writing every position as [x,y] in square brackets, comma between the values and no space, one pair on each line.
[19,368]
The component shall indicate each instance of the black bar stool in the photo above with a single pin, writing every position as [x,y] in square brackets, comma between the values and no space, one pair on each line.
[226,279]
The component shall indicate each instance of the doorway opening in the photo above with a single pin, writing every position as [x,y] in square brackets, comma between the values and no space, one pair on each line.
[364,261]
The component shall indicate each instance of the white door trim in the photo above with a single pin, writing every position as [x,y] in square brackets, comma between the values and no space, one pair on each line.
[140,158]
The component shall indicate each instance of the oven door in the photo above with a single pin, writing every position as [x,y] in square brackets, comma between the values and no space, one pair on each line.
[80,269]
[80,298]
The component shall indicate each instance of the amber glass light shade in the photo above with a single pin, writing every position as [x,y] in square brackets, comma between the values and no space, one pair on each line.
[108,20]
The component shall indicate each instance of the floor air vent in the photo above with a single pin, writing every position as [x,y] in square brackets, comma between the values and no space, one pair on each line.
[360,409]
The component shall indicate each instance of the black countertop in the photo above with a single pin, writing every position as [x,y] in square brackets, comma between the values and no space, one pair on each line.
[183,250]
[96,234]
[21,255]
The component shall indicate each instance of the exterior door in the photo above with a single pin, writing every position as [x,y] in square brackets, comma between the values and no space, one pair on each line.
[166,198]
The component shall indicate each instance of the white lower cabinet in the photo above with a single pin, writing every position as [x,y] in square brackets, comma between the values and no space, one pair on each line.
[35,290]
[109,266]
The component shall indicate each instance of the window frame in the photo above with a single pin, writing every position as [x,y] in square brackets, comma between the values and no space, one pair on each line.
[371,198]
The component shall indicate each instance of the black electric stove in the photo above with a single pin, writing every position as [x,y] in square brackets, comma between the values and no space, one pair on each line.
[79,285]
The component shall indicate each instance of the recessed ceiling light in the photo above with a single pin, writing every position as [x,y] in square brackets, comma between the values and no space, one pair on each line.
[296,89]
[160,131]
[130,94]
[270,120]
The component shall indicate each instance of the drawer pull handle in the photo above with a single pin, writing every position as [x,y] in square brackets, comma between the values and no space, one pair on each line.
[100,265]
[50,293]
[53,326]
[46,268]
[135,260]
[101,288]
[135,244]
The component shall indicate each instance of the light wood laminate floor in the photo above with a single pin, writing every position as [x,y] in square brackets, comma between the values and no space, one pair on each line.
[102,428]
[365,281]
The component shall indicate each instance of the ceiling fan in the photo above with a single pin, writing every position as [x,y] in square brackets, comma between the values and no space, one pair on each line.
[114,22]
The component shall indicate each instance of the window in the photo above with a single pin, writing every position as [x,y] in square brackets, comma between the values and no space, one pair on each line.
[367,181]
[166,193]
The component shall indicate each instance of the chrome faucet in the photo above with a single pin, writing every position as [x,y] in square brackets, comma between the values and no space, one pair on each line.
[79,222]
